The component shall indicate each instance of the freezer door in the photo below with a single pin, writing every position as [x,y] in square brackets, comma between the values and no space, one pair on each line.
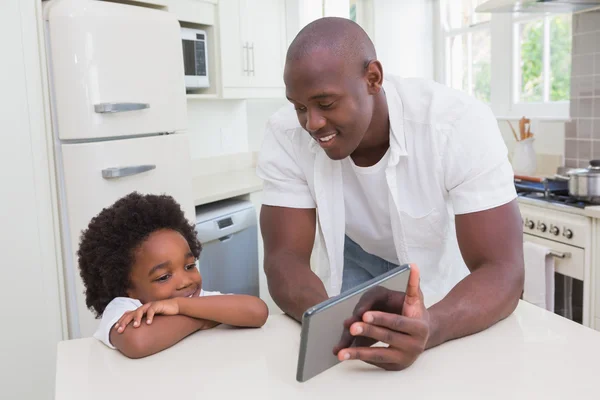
[116,70]
[97,174]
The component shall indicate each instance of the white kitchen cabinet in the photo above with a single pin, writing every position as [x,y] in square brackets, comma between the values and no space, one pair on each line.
[193,11]
[253,43]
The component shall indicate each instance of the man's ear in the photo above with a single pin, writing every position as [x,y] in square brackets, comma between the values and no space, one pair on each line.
[374,75]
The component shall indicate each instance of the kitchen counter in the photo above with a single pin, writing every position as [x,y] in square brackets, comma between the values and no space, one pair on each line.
[223,177]
[224,185]
[593,211]
[533,354]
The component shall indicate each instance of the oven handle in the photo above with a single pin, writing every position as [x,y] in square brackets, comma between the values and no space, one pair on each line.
[559,254]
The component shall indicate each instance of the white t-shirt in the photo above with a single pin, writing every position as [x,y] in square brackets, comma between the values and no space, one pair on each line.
[366,202]
[115,310]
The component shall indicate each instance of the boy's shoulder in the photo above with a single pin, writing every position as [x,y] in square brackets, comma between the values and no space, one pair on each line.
[113,311]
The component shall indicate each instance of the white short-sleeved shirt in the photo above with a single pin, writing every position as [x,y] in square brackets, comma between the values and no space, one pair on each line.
[447,157]
[115,310]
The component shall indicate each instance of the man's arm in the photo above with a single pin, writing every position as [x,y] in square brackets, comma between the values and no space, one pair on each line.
[491,243]
[492,247]
[288,236]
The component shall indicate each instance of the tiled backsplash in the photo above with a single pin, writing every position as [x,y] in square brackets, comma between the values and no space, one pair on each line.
[582,133]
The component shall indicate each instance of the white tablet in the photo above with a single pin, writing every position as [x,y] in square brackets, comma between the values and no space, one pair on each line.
[323,324]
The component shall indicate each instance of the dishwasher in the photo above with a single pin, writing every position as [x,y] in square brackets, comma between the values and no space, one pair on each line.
[228,233]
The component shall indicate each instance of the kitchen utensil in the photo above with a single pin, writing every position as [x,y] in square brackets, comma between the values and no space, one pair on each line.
[513,131]
[584,183]
[528,178]
[548,186]
[524,128]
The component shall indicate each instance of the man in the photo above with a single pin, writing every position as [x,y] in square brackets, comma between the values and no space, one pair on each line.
[397,171]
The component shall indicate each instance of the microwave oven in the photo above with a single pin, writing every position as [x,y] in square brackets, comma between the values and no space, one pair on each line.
[195,58]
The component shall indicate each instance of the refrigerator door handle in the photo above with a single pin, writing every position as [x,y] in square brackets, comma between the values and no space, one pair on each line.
[120,172]
[104,108]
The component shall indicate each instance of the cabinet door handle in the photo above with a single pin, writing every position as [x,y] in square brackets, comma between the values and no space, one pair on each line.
[120,172]
[245,56]
[104,108]
[252,49]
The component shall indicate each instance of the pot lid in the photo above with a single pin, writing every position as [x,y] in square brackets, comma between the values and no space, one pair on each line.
[592,170]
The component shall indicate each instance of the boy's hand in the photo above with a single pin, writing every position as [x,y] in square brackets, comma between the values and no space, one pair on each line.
[164,307]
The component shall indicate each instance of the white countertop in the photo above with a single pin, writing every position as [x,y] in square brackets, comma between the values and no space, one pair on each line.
[533,354]
[593,211]
[224,185]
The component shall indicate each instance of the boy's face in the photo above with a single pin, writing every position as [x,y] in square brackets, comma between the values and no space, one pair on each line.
[164,268]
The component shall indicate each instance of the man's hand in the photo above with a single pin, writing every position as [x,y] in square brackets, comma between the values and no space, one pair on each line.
[164,307]
[401,321]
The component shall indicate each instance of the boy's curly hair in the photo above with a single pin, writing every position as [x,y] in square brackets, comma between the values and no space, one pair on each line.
[107,246]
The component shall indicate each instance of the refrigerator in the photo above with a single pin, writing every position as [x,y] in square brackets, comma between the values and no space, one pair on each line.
[118,102]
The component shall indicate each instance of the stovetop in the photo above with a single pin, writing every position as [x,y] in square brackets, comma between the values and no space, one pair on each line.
[556,199]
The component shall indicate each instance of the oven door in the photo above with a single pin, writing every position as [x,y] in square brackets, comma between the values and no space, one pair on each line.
[569,266]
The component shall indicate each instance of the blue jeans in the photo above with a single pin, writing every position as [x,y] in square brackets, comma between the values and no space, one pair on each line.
[360,266]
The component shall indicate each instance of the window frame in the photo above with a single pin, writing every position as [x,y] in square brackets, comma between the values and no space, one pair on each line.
[470,30]
[505,57]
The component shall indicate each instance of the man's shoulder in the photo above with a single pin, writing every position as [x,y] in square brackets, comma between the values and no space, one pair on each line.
[429,102]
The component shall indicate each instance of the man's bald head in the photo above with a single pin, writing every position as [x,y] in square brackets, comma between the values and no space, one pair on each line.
[340,38]
[334,81]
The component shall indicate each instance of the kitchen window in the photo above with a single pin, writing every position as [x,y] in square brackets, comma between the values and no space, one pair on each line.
[518,64]
[467,43]
[542,59]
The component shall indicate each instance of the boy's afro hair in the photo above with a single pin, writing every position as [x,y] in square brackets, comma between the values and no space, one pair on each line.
[107,246]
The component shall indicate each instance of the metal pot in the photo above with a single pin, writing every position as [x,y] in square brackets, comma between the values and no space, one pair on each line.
[584,183]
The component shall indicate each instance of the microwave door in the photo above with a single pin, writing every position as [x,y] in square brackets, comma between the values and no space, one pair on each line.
[195,58]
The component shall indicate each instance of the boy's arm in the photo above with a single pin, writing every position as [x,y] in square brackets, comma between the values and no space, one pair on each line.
[164,332]
[236,310]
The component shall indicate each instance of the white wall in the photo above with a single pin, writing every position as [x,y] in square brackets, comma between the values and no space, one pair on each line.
[221,127]
[259,111]
[403,36]
[217,127]
[30,300]
[549,143]
[549,136]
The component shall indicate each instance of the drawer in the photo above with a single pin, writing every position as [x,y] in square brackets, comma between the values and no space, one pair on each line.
[116,69]
[87,191]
